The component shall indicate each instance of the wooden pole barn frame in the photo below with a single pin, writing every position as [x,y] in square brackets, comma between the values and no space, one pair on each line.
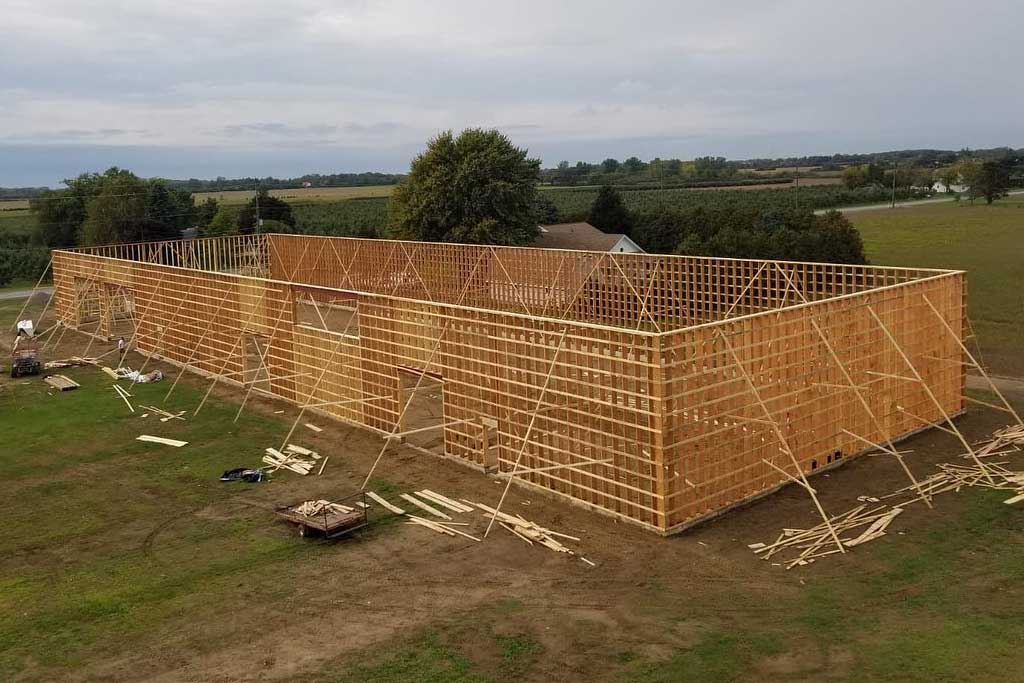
[661,390]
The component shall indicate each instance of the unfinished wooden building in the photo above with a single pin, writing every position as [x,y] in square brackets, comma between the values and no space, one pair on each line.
[657,389]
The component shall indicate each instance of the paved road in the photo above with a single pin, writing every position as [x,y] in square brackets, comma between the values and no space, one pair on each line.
[899,205]
[1002,383]
[23,293]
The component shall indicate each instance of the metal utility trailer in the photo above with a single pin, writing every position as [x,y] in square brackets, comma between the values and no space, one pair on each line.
[327,523]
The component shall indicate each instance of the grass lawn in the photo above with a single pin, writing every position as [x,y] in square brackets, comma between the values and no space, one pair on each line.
[125,560]
[300,195]
[17,222]
[986,241]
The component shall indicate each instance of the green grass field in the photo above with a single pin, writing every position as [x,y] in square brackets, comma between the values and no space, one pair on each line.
[986,241]
[300,195]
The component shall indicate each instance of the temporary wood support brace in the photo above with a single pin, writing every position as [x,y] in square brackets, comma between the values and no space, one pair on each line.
[655,405]
[430,428]
[889,448]
[163,331]
[927,390]
[529,428]
[419,380]
[248,321]
[848,378]
[782,438]
[973,362]
[551,468]
[28,300]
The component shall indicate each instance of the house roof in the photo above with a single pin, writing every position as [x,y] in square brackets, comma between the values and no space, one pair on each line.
[582,236]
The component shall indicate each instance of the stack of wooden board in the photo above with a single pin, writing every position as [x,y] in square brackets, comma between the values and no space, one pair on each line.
[295,458]
[980,471]
[318,507]
[61,382]
[72,362]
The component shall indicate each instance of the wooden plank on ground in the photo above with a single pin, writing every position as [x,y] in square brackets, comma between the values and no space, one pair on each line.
[160,439]
[389,506]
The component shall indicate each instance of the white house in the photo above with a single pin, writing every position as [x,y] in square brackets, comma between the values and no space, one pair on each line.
[958,186]
[585,237]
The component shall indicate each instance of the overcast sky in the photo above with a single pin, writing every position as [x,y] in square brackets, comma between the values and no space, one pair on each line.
[184,88]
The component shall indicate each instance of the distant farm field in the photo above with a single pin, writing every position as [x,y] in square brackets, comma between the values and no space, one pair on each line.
[303,194]
[12,205]
[983,240]
[17,222]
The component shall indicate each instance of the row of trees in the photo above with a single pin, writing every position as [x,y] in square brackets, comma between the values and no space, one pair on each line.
[988,179]
[634,171]
[732,231]
[222,184]
[478,187]
[115,206]
[118,206]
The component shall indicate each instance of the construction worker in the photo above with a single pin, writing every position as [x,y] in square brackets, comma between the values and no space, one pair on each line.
[120,351]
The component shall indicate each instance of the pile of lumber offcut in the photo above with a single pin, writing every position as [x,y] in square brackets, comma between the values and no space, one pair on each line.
[72,362]
[858,525]
[319,507]
[295,458]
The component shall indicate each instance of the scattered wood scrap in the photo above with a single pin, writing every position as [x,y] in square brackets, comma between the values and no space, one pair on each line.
[295,458]
[164,415]
[62,382]
[160,439]
[439,527]
[393,508]
[124,396]
[317,507]
[444,501]
[528,531]
[313,427]
[72,362]
[868,525]
[424,506]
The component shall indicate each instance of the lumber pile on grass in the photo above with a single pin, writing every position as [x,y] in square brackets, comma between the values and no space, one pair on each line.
[61,382]
[319,507]
[123,393]
[440,506]
[528,531]
[164,415]
[73,362]
[294,458]
[858,526]
[818,542]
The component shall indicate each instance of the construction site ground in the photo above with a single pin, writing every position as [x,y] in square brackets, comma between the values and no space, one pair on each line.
[128,561]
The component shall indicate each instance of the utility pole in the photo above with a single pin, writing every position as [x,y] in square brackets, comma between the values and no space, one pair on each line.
[895,167]
[256,199]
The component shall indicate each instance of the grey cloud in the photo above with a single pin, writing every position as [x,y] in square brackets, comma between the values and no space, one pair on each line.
[743,78]
[277,129]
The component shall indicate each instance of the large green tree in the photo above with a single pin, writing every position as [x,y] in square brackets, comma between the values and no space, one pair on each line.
[268,208]
[118,211]
[113,206]
[477,187]
[991,180]
[61,213]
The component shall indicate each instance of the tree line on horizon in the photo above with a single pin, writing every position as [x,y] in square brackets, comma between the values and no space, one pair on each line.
[475,187]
